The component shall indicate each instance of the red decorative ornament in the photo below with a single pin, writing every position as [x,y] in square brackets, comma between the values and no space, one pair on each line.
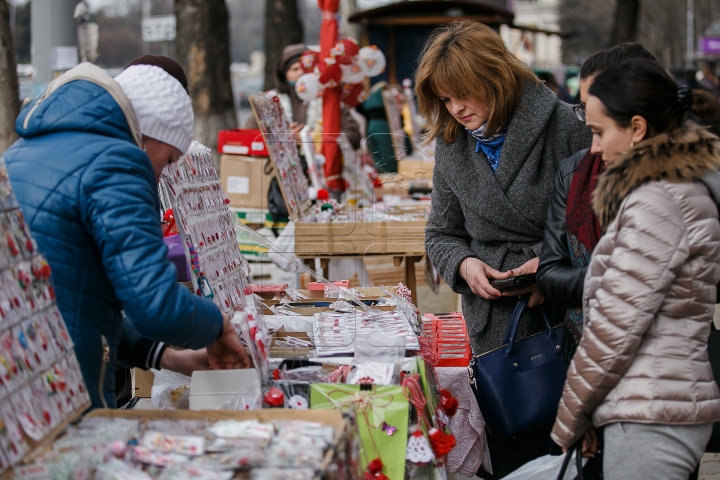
[448,403]
[353,95]
[375,466]
[274,398]
[45,271]
[441,442]
[366,381]
[323,194]
[344,51]
[11,245]
[330,73]
[309,60]
[404,292]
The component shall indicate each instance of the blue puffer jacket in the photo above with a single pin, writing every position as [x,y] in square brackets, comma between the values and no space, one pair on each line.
[90,198]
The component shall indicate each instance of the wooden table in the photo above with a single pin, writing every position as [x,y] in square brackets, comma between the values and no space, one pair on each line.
[409,261]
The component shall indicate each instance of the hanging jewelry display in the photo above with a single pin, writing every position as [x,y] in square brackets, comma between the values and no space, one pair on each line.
[282,148]
[40,381]
[206,225]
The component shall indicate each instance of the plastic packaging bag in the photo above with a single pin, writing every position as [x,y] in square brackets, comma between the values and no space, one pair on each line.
[294,323]
[285,249]
[170,390]
[378,358]
[546,467]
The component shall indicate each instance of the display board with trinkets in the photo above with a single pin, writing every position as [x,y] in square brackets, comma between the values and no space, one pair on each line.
[41,386]
[207,228]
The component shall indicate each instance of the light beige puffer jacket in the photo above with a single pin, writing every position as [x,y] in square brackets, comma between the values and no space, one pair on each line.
[649,292]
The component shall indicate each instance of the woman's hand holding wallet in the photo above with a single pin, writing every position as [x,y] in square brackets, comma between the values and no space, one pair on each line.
[478,274]
[527,268]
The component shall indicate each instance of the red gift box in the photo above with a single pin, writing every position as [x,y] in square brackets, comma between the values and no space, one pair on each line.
[242,141]
[446,335]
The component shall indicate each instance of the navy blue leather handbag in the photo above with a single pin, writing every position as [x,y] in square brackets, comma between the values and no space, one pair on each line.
[518,386]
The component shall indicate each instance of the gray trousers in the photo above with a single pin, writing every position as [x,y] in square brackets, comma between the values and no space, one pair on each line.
[635,451]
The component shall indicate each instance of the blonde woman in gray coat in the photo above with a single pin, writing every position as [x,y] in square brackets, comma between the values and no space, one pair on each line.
[641,369]
[501,135]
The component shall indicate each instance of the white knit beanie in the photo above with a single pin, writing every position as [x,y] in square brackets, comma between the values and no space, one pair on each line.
[161,103]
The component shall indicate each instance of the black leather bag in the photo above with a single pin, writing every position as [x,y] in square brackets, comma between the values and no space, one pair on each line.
[577,452]
[592,470]
[518,386]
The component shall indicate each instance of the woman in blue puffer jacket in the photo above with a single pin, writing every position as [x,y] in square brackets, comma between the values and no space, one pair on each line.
[85,172]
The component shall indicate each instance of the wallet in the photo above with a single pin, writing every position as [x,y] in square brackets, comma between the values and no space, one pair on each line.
[514,283]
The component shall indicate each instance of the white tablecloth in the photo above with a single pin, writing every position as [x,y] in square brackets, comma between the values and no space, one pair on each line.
[468,426]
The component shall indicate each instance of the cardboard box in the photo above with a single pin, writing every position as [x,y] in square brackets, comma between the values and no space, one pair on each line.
[142,382]
[242,141]
[277,351]
[245,181]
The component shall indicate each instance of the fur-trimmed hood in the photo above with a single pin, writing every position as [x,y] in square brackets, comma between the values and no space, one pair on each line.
[684,155]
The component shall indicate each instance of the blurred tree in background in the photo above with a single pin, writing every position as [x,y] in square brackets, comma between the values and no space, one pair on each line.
[661,27]
[9,93]
[282,28]
[203,49]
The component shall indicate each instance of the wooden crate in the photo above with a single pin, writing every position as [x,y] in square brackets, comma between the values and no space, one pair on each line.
[360,238]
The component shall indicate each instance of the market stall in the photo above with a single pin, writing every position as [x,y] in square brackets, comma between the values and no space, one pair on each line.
[328,229]
[346,382]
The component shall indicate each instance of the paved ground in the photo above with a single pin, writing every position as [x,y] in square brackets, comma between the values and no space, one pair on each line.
[710,467]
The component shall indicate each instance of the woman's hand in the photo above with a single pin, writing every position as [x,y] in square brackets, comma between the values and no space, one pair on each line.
[590,444]
[227,352]
[295,128]
[184,361]
[528,267]
[478,274]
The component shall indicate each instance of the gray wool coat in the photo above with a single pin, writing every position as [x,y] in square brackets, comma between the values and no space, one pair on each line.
[499,217]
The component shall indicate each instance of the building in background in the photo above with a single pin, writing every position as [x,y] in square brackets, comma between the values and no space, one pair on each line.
[535,44]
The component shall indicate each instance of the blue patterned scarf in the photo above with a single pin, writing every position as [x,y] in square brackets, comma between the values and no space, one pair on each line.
[491,146]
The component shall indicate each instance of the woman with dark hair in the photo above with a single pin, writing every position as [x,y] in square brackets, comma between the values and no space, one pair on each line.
[641,369]
[500,136]
[571,229]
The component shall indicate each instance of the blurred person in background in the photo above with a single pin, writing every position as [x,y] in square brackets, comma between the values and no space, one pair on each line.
[300,114]
[709,80]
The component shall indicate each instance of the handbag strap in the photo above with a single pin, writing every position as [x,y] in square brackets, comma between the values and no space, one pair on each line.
[515,320]
[577,449]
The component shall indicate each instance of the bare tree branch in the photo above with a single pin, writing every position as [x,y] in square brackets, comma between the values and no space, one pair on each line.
[9,93]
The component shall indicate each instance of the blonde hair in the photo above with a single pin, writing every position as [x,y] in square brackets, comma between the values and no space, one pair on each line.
[469,60]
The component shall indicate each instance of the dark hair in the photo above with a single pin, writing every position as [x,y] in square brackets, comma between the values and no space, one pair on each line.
[643,87]
[168,64]
[601,61]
